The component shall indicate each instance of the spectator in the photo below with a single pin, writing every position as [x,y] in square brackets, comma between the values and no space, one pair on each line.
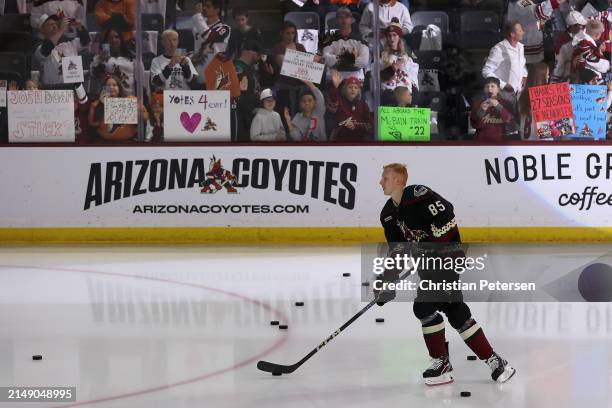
[287,88]
[352,115]
[157,116]
[250,87]
[112,89]
[172,70]
[309,124]
[267,125]
[532,17]
[288,35]
[576,23]
[242,33]
[31,85]
[403,97]
[506,60]
[538,75]
[605,16]
[397,67]
[120,14]
[211,35]
[55,46]
[587,53]
[115,59]
[343,50]
[73,9]
[387,10]
[490,113]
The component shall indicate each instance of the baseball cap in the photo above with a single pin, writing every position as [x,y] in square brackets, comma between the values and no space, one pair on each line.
[266,93]
[43,19]
[575,17]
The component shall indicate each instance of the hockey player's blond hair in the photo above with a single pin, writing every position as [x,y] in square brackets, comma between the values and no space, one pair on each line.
[398,168]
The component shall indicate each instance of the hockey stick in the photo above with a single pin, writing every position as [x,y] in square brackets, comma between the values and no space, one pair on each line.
[287,369]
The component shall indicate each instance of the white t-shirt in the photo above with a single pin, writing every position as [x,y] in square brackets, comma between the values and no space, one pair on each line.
[121,67]
[176,79]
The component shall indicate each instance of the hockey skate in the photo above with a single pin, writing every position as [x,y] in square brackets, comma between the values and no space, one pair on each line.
[440,372]
[501,371]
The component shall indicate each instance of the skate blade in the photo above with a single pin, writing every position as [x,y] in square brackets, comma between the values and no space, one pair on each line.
[445,378]
[506,375]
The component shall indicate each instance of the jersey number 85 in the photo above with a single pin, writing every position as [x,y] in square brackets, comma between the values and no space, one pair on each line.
[435,208]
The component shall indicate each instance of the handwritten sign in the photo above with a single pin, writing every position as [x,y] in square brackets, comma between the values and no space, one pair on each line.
[301,65]
[404,124]
[40,116]
[589,103]
[3,86]
[197,116]
[120,111]
[552,110]
[72,69]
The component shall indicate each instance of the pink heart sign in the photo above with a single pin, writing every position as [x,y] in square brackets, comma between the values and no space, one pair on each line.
[190,123]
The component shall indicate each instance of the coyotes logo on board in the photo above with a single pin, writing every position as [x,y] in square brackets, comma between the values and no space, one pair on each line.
[218,178]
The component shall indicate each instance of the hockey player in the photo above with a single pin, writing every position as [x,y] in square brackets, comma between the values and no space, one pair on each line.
[417,214]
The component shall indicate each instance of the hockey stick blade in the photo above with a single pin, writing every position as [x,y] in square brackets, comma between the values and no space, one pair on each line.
[275,368]
[287,369]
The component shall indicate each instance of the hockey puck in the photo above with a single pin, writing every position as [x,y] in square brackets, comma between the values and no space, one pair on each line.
[277,374]
[466,394]
[365,283]
[346,274]
[380,320]
[274,323]
[283,327]
[37,357]
[299,303]
[471,358]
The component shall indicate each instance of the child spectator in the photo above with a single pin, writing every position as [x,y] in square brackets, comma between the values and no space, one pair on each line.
[112,88]
[242,33]
[31,85]
[490,113]
[267,125]
[403,97]
[351,114]
[309,124]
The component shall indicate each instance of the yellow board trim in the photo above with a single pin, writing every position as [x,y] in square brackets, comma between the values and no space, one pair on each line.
[316,236]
